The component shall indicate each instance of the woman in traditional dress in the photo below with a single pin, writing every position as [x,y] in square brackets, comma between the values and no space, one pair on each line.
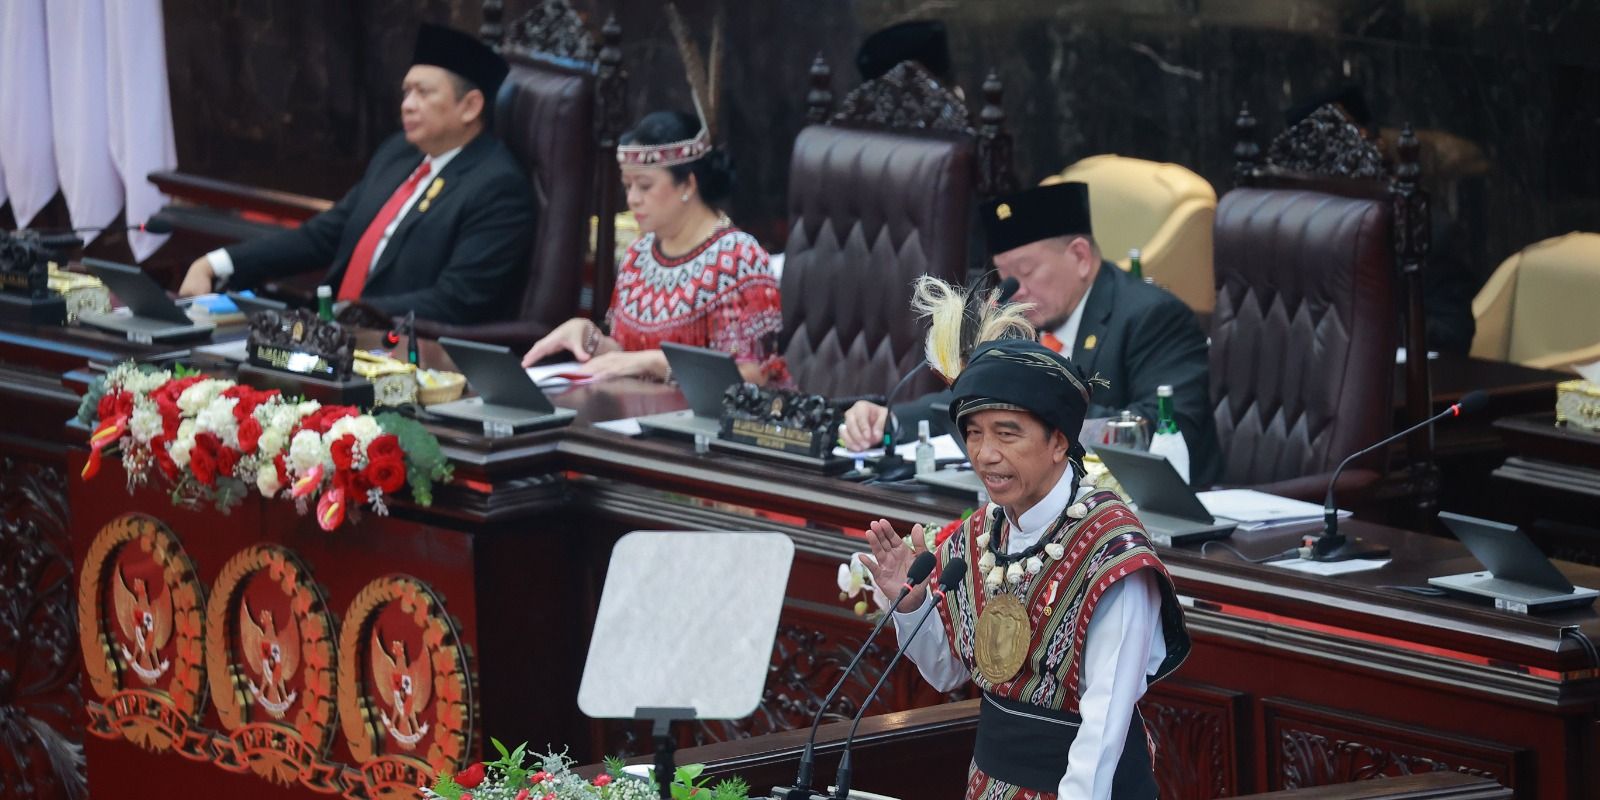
[693,278]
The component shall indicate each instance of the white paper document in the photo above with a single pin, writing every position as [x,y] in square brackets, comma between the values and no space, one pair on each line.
[1256,511]
[943,447]
[237,350]
[565,373]
[1589,372]
[627,426]
[1332,567]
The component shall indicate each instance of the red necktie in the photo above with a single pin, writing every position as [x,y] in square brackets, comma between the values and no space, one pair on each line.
[355,274]
[1049,340]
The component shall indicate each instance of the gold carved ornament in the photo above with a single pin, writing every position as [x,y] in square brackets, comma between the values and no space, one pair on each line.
[1002,638]
[380,722]
[137,706]
[254,695]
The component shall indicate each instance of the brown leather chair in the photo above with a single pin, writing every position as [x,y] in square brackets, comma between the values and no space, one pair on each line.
[546,114]
[1303,337]
[880,195]
[1313,261]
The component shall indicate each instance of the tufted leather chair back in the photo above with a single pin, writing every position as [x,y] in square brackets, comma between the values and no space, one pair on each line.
[1303,337]
[869,211]
[545,115]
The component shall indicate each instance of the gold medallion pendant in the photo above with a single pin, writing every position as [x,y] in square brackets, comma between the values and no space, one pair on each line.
[1002,638]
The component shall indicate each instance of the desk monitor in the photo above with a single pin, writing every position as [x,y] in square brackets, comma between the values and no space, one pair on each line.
[1519,577]
[704,376]
[507,397]
[155,316]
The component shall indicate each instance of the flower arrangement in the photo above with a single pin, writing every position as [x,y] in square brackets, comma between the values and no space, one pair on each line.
[550,777]
[213,440]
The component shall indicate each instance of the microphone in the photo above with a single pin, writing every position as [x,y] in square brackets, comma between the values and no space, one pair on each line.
[1331,545]
[920,569]
[954,571]
[891,467]
[56,239]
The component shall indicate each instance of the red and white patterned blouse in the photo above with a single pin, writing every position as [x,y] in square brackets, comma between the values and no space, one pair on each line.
[721,296]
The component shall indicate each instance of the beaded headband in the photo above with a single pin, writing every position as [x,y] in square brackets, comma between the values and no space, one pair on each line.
[703,87]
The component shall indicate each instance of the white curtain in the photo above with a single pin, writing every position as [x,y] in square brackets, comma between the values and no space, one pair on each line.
[139,110]
[27,156]
[89,179]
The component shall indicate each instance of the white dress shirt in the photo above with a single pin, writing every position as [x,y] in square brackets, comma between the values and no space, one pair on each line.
[222,263]
[1123,647]
[1068,332]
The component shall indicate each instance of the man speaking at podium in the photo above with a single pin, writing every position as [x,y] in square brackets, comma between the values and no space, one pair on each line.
[441,222]
[1068,615]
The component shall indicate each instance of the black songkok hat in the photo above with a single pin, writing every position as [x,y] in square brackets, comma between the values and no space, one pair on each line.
[1023,375]
[462,54]
[922,41]
[1043,212]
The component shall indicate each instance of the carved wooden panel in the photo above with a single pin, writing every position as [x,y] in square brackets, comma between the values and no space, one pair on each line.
[551,28]
[1313,746]
[1327,143]
[42,752]
[1197,732]
[907,97]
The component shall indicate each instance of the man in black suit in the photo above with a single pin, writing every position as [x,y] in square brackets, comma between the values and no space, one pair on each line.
[440,224]
[1135,335]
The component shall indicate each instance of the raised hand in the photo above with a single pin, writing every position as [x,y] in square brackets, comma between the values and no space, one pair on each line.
[890,561]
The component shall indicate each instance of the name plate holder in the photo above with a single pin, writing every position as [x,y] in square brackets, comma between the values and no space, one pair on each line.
[298,353]
[780,425]
[25,294]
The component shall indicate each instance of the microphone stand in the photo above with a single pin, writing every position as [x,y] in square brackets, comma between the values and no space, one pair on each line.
[1331,545]
[953,572]
[802,782]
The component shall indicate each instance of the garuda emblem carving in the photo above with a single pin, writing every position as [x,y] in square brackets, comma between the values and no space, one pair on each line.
[145,623]
[272,654]
[405,684]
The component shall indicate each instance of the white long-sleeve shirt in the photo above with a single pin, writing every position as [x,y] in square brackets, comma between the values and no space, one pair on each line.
[1124,646]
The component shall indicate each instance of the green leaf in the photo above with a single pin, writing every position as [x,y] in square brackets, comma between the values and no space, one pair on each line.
[504,753]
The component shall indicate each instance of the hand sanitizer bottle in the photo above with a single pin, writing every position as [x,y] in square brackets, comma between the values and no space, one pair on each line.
[925,461]
[1168,440]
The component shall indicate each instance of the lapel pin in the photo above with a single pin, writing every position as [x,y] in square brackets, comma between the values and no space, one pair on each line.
[1090,342]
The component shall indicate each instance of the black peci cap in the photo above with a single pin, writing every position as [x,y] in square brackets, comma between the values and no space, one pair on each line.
[462,54]
[1043,212]
[922,41]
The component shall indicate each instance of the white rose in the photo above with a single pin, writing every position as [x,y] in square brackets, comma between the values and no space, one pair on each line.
[306,451]
[217,417]
[145,424]
[306,407]
[267,479]
[271,442]
[195,398]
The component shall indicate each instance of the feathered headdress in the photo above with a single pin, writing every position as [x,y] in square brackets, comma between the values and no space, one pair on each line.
[704,86]
[960,320]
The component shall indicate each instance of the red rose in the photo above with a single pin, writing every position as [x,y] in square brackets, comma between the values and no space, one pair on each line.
[203,464]
[282,467]
[108,406]
[249,434]
[388,474]
[323,418]
[343,452]
[524,794]
[158,449]
[470,777]
[385,446]
[227,459]
[602,779]
[538,777]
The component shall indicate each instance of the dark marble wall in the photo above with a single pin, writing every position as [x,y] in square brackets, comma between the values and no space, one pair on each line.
[295,93]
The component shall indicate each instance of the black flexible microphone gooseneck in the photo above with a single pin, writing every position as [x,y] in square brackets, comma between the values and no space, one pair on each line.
[56,239]
[954,570]
[919,571]
[891,466]
[1331,545]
